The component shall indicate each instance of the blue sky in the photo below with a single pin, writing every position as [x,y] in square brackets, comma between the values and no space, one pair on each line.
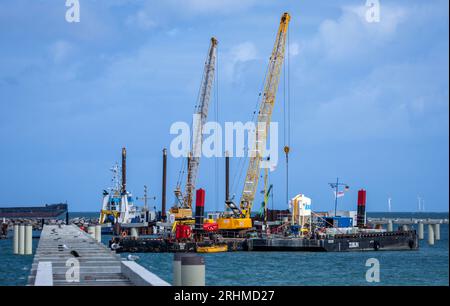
[369,101]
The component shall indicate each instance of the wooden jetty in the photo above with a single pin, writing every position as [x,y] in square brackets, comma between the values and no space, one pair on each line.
[68,256]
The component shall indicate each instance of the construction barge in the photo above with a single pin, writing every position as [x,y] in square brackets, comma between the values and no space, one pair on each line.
[180,229]
[387,241]
[295,229]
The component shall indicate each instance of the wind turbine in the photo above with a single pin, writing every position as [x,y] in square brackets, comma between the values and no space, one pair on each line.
[419,203]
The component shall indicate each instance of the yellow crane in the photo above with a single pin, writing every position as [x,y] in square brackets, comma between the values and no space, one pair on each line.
[240,218]
[183,209]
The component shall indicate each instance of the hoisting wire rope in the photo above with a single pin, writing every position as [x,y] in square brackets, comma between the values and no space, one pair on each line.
[242,161]
[286,111]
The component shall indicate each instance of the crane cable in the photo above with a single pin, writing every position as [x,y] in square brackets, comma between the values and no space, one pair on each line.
[242,161]
[287,115]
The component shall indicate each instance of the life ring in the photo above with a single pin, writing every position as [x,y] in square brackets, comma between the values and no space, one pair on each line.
[124,234]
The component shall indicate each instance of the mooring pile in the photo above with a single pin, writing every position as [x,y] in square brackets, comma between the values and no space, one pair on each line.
[23,239]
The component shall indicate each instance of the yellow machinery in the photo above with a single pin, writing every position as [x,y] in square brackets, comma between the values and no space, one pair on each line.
[240,218]
[212,249]
[183,208]
[181,213]
[104,213]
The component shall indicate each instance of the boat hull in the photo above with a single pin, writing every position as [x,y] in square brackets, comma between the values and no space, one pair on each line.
[391,241]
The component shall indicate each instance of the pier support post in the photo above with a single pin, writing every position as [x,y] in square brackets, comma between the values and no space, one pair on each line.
[192,271]
[98,233]
[420,227]
[437,231]
[28,239]
[390,226]
[430,234]
[16,239]
[21,239]
[91,231]
[177,269]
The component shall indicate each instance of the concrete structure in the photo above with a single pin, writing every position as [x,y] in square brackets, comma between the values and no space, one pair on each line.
[433,226]
[192,271]
[98,233]
[420,230]
[16,239]
[91,231]
[177,269]
[407,221]
[75,258]
[430,234]
[390,226]
[21,239]
[44,274]
[28,239]
[139,276]
[437,231]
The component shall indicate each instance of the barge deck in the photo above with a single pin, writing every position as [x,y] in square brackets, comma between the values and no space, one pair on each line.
[388,241]
[385,241]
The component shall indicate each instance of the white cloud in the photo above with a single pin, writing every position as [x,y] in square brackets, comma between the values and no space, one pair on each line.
[238,55]
[150,13]
[60,50]
[351,35]
[208,6]
[294,49]
[141,20]
[244,52]
[173,32]
[391,102]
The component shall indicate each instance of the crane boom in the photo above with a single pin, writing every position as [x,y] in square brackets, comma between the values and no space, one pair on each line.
[264,117]
[198,123]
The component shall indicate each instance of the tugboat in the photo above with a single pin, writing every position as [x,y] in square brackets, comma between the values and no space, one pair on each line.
[118,208]
[118,204]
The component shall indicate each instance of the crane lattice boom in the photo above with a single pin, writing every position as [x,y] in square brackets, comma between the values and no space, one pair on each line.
[264,117]
[199,121]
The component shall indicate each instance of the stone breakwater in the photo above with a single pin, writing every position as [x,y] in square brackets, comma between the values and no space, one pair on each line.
[37,224]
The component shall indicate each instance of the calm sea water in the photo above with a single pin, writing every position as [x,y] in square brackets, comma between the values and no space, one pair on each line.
[427,266]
